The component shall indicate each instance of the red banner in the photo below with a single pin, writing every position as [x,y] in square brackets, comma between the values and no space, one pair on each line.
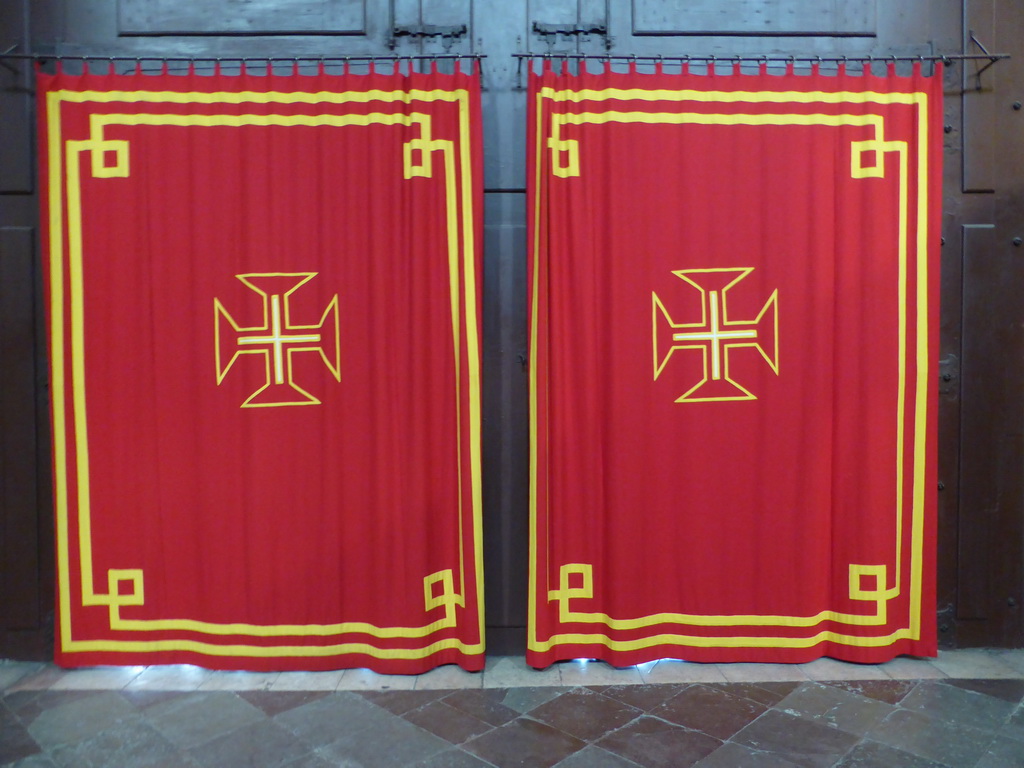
[263,303]
[733,334]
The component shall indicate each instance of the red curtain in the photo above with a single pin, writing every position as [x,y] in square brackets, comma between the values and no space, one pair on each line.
[733,335]
[263,304]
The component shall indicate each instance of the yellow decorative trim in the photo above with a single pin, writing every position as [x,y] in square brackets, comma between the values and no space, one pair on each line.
[584,590]
[566,592]
[720,337]
[859,169]
[278,368]
[446,598]
[100,148]
[458,186]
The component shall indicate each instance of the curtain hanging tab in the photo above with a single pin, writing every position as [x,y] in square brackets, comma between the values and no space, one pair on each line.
[946,58]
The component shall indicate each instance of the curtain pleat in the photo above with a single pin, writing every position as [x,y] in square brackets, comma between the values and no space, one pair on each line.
[733,338]
[263,305]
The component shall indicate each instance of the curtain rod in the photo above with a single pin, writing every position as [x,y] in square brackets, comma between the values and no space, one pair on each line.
[245,59]
[775,58]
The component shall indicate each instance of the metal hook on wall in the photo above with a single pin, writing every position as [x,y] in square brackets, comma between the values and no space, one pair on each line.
[992,59]
[4,64]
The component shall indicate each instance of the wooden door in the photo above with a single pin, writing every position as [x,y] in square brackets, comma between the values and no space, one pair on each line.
[982,371]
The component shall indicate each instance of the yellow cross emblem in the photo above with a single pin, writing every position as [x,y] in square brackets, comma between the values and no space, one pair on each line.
[716,334]
[277,339]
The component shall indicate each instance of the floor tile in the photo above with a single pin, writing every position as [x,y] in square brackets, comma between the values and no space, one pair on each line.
[392,742]
[593,756]
[946,742]
[672,671]
[871,754]
[197,718]
[13,671]
[710,710]
[731,755]
[36,761]
[272,703]
[446,722]
[585,714]
[835,707]
[486,704]
[833,669]
[889,691]
[1003,753]
[1007,690]
[97,679]
[365,680]
[275,719]
[80,719]
[1012,658]
[400,702]
[327,719]
[307,681]
[28,705]
[263,744]
[974,664]
[452,758]
[40,680]
[597,673]
[313,760]
[797,739]
[759,673]
[146,699]
[525,700]
[644,697]
[172,677]
[906,668]
[513,672]
[524,742]
[652,743]
[767,693]
[1014,727]
[231,680]
[15,741]
[448,677]
[130,744]
[947,702]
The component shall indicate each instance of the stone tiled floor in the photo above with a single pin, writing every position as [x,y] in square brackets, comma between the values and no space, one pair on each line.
[965,708]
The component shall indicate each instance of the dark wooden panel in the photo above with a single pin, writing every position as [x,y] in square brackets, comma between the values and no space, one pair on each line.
[19,508]
[505,408]
[16,127]
[241,17]
[755,17]
[979,100]
[96,28]
[567,14]
[503,101]
[990,525]
[562,12]
[907,28]
[438,14]
[447,12]
[15,103]
[949,370]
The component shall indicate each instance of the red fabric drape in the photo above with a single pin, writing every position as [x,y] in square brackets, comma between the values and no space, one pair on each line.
[263,303]
[733,306]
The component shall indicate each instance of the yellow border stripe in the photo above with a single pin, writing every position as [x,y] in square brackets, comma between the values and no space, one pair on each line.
[917,99]
[59,375]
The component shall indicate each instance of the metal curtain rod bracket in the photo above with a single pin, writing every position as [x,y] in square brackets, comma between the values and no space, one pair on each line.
[945,58]
[4,64]
[992,58]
